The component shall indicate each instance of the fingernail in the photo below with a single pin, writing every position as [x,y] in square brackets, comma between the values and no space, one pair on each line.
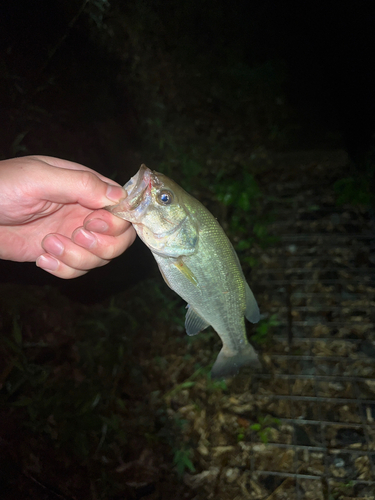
[46,262]
[84,238]
[115,193]
[97,226]
[53,245]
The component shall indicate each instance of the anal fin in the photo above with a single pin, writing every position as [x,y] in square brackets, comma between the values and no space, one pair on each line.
[193,322]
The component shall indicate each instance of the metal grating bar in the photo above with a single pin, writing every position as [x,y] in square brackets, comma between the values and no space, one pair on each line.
[302,270]
[311,398]
[365,428]
[320,375]
[352,238]
[326,378]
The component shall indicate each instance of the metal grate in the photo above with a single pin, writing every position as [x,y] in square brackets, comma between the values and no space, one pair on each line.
[319,380]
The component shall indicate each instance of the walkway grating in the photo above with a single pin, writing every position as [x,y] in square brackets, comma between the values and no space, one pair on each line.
[318,380]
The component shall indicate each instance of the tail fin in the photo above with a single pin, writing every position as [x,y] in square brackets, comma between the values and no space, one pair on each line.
[227,366]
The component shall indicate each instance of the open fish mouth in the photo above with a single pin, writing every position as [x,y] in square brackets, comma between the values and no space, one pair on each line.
[137,186]
[139,197]
[138,190]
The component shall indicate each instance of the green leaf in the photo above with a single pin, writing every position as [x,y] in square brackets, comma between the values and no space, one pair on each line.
[264,436]
[182,461]
[186,385]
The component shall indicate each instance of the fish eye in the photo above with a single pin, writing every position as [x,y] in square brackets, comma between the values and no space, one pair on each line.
[165,197]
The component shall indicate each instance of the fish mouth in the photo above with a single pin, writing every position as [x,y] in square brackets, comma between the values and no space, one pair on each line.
[137,186]
[138,190]
[137,197]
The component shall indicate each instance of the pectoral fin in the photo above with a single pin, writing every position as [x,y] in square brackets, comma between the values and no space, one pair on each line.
[252,310]
[183,268]
[193,322]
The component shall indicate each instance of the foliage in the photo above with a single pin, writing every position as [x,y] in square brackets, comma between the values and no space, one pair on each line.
[263,329]
[353,190]
[76,408]
[182,460]
[358,188]
[263,427]
[342,488]
[240,193]
[71,385]
[247,225]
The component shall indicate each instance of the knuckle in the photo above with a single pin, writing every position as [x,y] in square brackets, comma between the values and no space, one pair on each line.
[86,180]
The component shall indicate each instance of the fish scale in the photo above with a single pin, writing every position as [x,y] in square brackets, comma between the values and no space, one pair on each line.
[197,261]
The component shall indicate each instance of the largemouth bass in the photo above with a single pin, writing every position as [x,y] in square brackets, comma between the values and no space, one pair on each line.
[196,260]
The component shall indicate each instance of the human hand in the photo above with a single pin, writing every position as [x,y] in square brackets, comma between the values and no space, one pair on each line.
[51,213]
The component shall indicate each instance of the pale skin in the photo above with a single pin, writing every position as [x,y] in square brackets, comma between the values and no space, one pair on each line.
[51,212]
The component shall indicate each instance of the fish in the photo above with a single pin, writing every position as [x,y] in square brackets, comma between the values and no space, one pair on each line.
[197,261]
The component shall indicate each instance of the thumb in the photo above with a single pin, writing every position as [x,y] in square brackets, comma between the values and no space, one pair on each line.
[61,185]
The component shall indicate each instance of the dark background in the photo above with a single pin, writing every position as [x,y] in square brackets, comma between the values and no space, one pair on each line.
[67,86]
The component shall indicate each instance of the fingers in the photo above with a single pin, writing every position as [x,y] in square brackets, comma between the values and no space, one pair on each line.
[104,235]
[57,268]
[70,165]
[86,249]
[64,183]
[65,259]
[102,221]
[101,245]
